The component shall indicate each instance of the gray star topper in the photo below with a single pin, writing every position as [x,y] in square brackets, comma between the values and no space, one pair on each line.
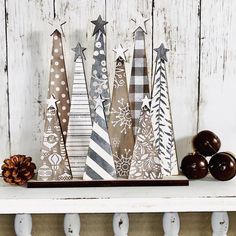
[99,25]
[99,102]
[140,23]
[161,52]
[146,102]
[79,51]
[120,52]
[57,25]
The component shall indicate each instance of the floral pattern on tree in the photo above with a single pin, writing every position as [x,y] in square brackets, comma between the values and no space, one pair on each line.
[120,123]
[145,163]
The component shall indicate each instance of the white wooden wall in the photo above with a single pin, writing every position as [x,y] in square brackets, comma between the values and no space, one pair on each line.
[201,63]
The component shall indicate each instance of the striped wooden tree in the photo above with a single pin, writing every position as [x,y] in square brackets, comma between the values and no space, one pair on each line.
[99,162]
[80,126]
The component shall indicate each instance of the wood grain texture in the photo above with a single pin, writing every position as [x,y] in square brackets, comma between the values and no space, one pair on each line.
[120,31]
[4,129]
[176,24]
[217,71]
[78,28]
[29,46]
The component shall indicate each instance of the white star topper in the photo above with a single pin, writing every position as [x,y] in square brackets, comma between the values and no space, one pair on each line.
[120,52]
[140,23]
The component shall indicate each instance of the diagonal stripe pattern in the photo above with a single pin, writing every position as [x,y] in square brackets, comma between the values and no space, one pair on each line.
[139,85]
[99,162]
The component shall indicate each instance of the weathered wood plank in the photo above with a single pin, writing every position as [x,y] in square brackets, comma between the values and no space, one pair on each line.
[176,24]
[29,51]
[218,69]
[4,129]
[120,31]
[78,28]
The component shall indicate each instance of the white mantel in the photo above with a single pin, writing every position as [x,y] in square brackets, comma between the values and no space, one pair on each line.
[200,196]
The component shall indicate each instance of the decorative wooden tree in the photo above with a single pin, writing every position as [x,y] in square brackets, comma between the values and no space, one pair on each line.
[99,162]
[145,162]
[54,165]
[80,125]
[99,81]
[139,85]
[58,85]
[161,116]
[120,123]
[54,160]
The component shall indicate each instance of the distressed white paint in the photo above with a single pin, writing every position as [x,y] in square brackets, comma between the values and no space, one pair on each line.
[219,223]
[78,28]
[29,51]
[208,195]
[120,31]
[171,224]
[72,224]
[176,24]
[120,224]
[23,224]
[4,147]
[218,69]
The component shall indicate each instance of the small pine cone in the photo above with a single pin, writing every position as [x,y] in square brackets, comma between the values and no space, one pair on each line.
[18,169]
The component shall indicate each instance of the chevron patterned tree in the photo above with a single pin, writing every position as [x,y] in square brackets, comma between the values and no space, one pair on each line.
[80,125]
[161,116]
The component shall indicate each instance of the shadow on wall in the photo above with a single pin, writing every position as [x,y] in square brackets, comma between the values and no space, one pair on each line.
[183,146]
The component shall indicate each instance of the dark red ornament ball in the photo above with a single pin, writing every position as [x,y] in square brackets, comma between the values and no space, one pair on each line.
[222,166]
[207,143]
[194,166]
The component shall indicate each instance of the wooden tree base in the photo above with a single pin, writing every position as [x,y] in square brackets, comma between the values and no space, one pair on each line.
[166,181]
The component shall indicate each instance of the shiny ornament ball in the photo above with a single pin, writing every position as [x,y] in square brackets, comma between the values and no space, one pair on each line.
[206,143]
[194,166]
[222,166]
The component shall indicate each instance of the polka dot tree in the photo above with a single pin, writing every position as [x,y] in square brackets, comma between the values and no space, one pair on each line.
[54,160]
[58,85]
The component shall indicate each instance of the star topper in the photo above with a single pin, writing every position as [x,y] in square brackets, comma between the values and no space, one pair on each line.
[99,25]
[52,102]
[146,102]
[161,52]
[99,102]
[79,51]
[140,23]
[120,52]
[57,25]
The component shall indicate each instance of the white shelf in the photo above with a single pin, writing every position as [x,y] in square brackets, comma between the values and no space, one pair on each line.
[202,195]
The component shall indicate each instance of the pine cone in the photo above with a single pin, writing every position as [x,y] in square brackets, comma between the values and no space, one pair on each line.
[18,169]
